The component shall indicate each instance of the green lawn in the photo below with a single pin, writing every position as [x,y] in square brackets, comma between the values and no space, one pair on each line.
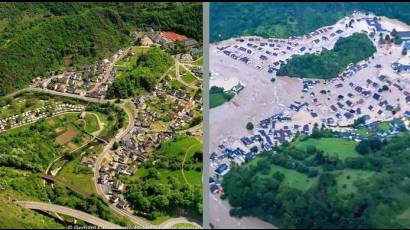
[108,126]
[174,84]
[78,175]
[338,147]
[184,226]
[188,78]
[217,99]
[293,178]
[91,123]
[364,132]
[199,61]
[384,126]
[178,146]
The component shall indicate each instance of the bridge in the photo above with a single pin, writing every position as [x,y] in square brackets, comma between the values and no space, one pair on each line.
[42,206]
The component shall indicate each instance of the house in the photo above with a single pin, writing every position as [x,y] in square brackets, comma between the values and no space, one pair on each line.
[222,169]
[237,88]
[376,97]
[173,37]
[404,35]
[122,204]
[190,42]
[397,67]
[407,47]
[146,41]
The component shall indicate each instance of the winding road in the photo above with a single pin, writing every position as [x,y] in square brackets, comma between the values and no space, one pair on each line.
[136,220]
[42,206]
[140,222]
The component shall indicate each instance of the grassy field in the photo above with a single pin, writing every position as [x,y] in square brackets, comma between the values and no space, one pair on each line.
[217,99]
[384,126]
[107,125]
[188,78]
[293,179]
[91,124]
[184,226]
[183,146]
[19,218]
[174,84]
[364,132]
[199,61]
[347,179]
[341,148]
[78,175]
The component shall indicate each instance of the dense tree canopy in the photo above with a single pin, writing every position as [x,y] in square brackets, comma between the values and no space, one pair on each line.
[329,63]
[338,197]
[143,75]
[38,37]
[284,19]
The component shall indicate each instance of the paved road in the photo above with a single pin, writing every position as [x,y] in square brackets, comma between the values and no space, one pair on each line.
[69,212]
[181,220]
[136,220]
[140,222]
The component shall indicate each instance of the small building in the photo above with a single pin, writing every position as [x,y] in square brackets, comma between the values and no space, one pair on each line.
[222,169]
[404,35]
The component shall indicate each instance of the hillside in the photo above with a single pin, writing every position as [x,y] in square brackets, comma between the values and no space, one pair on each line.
[329,63]
[284,19]
[37,38]
[325,186]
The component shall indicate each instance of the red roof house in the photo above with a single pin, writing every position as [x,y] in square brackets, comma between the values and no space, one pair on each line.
[172,36]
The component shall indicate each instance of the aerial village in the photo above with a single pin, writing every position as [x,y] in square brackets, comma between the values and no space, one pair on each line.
[154,122]
[36,114]
[93,81]
[376,90]
[159,117]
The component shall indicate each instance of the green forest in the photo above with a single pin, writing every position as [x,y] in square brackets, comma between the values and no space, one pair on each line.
[142,75]
[169,181]
[329,63]
[313,187]
[284,19]
[36,38]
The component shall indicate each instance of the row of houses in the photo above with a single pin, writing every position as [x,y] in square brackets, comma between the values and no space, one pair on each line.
[37,114]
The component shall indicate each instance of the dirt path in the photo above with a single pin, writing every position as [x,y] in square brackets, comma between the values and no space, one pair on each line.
[183,162]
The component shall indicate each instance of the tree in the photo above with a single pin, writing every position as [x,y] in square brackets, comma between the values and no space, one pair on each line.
[254,149]
[249,126]
[115,146]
